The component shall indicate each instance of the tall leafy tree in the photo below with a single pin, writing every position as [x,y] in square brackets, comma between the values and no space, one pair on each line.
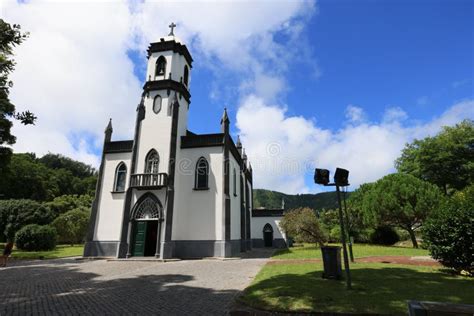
[446,159]
[10,36]
[401,200]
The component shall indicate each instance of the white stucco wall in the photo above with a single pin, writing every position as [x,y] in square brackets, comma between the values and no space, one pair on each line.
[110,210]
[198,214]
[257,224]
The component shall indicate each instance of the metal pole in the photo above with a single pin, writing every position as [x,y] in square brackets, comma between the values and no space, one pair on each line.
[351,254]
[343,239]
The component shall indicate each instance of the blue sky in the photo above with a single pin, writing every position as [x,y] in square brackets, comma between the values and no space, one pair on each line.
[327,83]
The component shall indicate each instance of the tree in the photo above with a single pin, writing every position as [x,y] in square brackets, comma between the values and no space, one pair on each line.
[26,177]
[65,203]
[449,232]
[446,159]
[77,168]
[72,226]
[14,214]
[402,200]
[10,36]
[303,225]
[355,212]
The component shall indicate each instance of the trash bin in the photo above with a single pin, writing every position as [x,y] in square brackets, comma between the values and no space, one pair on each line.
[332,262]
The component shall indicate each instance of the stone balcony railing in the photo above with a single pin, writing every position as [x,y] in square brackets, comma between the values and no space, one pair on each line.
[148,181]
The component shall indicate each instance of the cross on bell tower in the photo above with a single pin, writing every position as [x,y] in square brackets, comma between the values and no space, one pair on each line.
[171,26]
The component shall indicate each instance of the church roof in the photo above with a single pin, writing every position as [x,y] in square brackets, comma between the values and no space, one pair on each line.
[170,43]
[267,212]
[121,146]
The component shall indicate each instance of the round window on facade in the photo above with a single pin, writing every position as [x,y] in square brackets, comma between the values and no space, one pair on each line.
[157,104]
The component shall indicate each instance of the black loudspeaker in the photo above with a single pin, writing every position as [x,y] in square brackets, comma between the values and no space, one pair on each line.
[341,177]
[321,176]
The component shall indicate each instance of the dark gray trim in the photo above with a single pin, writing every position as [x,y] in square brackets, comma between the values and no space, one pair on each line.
[243,219]
[124,247]
[187,249]
[101,248]
[277,243]
[167,251]
[226,178]
[176,47]
[268,212]
[235,152]
[168,84]
[248,196]
[122,146]
[206,140]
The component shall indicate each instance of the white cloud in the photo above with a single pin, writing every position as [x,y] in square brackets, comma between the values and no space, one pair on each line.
[355,114]
[286,150]
[74,73]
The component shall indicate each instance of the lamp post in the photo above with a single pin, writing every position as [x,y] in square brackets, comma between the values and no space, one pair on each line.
[341,179]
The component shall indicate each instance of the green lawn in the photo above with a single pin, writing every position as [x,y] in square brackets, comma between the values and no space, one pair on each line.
[61,251]
[360,250]
[377,288]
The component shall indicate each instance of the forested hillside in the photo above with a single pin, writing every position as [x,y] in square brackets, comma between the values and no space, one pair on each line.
[273,199]
[43,179]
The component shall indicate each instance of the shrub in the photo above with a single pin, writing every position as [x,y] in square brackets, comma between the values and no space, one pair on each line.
[14,214]
[384,235]
[72,226]
[449,232]
[36,237]
[363,236]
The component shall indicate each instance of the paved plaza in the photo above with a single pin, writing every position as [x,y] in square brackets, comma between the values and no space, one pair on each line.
[101,287]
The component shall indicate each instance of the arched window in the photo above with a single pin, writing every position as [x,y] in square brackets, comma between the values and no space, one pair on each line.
[186,75]
[152,161]
[235,182]
[267,228]
[120,177]
[157,104]
[148,208]
[160,66]
[201,180]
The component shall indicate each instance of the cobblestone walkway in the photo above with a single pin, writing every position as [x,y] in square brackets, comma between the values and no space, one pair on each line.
[66,287]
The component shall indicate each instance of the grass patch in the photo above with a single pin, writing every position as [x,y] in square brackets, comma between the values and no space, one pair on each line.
[309,251]
[61,251]
[377,288]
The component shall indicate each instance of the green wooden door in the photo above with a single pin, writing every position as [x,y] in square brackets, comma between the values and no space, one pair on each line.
[140,238]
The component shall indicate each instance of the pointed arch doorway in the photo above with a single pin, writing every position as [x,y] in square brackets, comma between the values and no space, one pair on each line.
[268,235]
[147,216]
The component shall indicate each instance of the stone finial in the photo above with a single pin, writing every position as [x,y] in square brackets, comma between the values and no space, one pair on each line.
[225,117]
[225,122]
[108,131]
[239,145]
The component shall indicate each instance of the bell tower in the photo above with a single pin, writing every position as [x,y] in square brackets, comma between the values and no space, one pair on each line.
[167,85]
[162,117]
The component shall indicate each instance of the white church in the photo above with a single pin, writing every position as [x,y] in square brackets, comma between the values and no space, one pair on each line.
[171,193]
